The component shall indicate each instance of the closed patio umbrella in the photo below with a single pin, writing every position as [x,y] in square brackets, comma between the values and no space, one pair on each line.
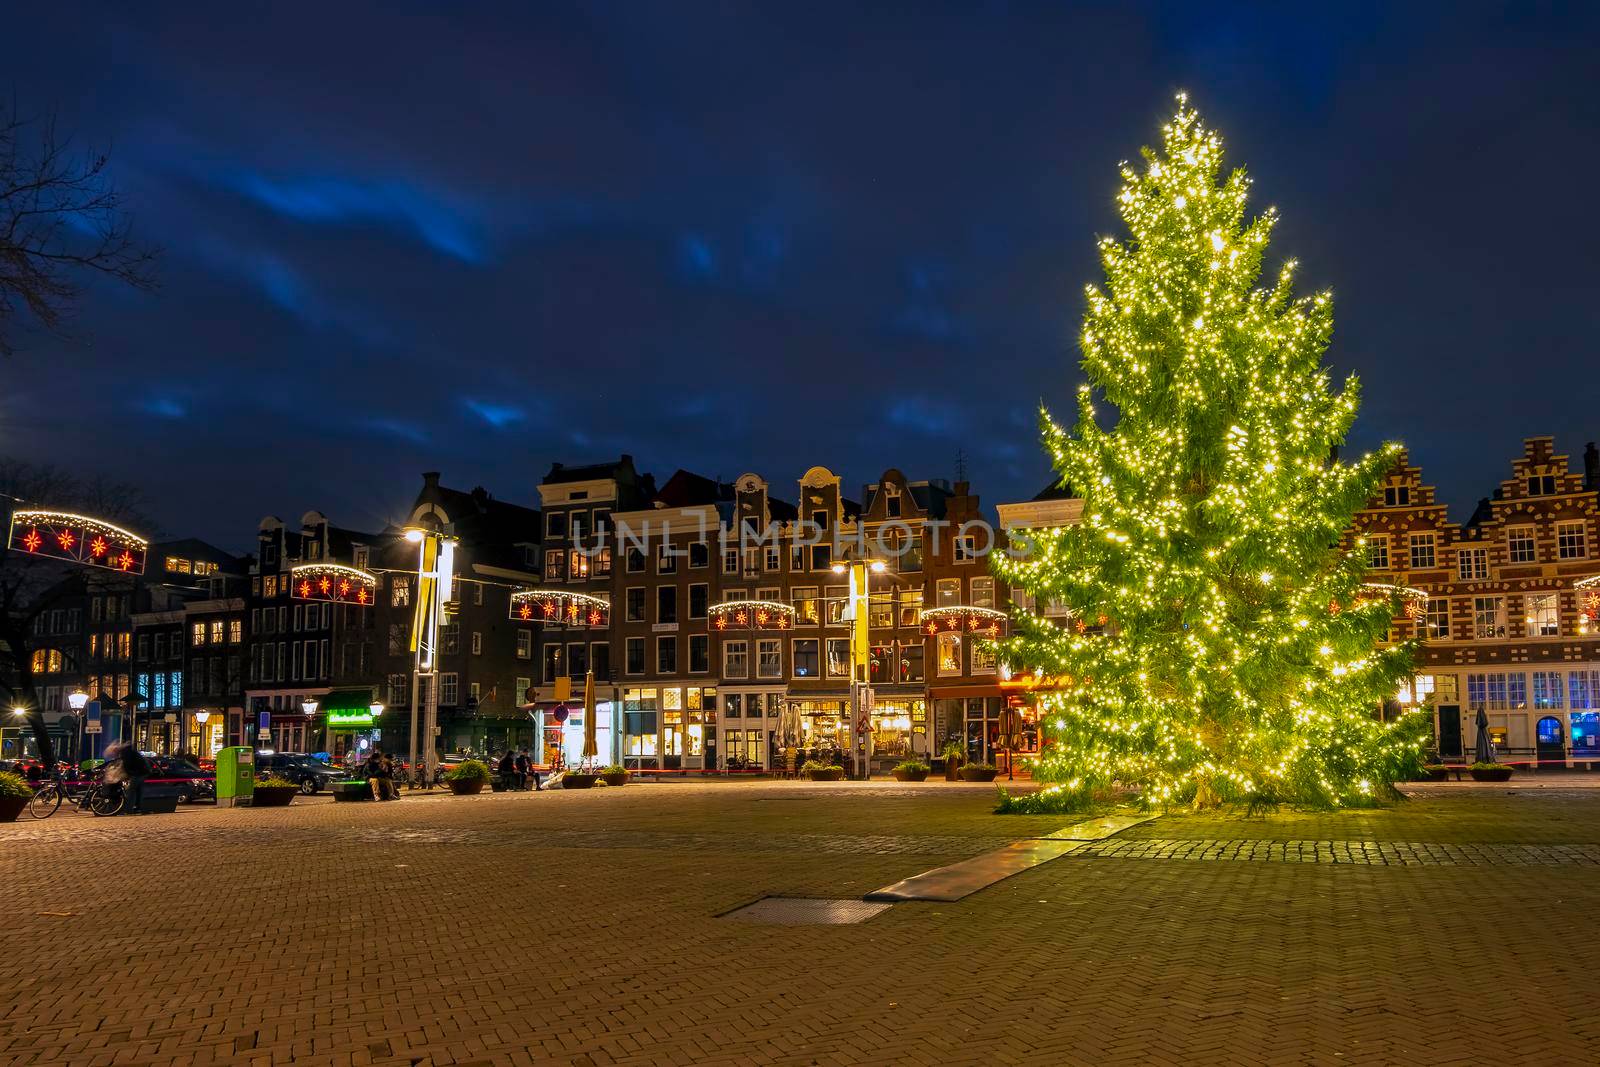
[591,745]
[1485,751]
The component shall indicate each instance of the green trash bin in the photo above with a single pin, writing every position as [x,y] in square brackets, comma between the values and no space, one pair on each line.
[236,776]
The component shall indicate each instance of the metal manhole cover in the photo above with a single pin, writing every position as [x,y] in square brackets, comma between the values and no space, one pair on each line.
[806,911]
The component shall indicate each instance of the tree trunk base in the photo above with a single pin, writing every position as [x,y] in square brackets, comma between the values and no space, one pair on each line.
[1205,798]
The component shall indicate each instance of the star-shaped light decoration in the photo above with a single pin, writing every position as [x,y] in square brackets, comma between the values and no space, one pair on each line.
[98,547]
[66,539]
[31,541]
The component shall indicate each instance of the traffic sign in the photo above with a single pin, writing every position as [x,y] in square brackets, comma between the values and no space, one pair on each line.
[94,726]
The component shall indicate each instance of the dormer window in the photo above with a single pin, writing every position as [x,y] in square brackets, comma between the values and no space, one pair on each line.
[1541,485]
[313,550]
[891,501]
[1396,496]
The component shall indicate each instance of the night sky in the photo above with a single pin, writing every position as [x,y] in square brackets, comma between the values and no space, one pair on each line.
[763,237]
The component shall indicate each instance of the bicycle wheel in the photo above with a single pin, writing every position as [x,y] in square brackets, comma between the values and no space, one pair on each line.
[45,802]
[106,800]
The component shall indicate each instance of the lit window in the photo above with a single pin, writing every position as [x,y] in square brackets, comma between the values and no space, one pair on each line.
[1488,617]
[1543,611]
[1378,552]
[1520,545]
[949,653]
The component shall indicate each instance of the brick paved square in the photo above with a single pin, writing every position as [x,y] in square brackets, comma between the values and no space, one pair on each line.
[580,928]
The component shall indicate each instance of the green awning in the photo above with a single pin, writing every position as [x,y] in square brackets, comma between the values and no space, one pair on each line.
[347,707]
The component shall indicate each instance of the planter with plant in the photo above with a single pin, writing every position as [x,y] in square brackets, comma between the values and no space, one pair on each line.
[1435,772]
[912,770]
[468,777]
[1490,772]
[273,792]
[614,775]
[979,772]
[579,779]
[953,755]
[822,772]
[15,792]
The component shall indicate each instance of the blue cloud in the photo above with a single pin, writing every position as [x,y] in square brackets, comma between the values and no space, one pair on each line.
[395,428]
[696,257]
[340,201]
[164,407]
[497,415]
[921,413]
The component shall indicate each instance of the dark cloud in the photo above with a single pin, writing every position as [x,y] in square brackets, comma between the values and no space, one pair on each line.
[405,237]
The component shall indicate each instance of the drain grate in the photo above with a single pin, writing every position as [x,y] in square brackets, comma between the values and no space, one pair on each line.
[806,911]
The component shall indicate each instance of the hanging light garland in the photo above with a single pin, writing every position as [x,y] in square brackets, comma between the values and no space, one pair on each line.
[77,539]
[1414,600]
[332,582]
[559,607]
[752,615]
[957,618]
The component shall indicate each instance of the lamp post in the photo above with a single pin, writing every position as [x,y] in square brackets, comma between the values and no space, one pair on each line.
[77,700]
[435,589]
[203,717]
[308,707]
[19,713]
[859,614]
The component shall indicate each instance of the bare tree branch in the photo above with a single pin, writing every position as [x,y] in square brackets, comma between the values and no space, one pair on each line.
[61,218]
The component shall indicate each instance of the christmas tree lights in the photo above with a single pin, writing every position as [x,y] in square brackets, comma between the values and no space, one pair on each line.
[1222,667]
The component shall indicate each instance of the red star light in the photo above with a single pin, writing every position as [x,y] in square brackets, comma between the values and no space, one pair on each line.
[722,622]
[324,586]
[32,541]
[344,587]
[549,609]
[526,611]
[98,547]
[66,539]
[594,617]
[125,561]
[361,596]
[305,588]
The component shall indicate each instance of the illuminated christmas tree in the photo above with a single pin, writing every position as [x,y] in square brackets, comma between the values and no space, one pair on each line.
[1223,646]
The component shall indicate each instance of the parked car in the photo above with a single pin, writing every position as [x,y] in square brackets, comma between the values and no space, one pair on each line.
[309,773]
[193,783]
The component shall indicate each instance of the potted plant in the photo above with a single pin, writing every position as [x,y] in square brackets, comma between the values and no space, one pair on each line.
[1435,772]
[954,753]
[579,779]
[1490,772]
[15,792]
[979,772]
[912,770]
[822,772]
[273,791]
[468,776]
[614,775]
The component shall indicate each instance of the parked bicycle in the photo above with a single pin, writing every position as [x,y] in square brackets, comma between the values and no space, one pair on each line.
[95,795]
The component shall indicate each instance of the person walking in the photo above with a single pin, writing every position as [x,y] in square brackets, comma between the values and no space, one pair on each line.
[135,769]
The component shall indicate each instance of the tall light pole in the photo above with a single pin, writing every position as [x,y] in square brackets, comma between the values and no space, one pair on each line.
[858,613]
[435,589]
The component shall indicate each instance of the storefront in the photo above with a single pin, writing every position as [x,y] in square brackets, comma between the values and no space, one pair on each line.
[561,733]
[748,722]
[899,728]
[824,723]
[669,727]
[351,722]
[205,732]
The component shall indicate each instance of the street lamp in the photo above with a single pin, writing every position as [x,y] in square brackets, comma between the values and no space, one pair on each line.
[376,708]
[859,616]
[77,700]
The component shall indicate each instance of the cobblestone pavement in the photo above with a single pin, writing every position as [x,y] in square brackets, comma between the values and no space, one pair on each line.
[579,928]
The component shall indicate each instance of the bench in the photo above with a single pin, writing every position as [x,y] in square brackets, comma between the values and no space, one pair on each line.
[357,789]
